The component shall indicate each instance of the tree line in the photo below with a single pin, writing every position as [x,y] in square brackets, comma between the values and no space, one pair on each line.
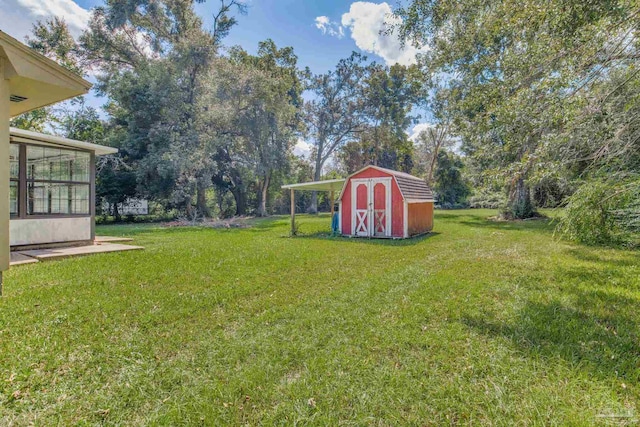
[544,98]
[533,106]
[204,129]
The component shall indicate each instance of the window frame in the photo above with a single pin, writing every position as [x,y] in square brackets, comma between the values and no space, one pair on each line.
[16,180]
[15,215]
[23,183]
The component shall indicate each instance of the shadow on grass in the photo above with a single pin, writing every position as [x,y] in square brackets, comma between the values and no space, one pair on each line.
[537,225]
[599,256]
[603,342]
[592,323]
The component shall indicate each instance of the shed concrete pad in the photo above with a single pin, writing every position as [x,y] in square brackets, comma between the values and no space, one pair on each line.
[18,258]
[112,239]
[59,253]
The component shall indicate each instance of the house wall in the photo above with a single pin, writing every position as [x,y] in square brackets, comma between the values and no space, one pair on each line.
[4,170]
[38,231]
[419,218]
[397,203]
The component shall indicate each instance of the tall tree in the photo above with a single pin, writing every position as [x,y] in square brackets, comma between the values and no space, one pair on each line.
[448,183]
[153,57]
[259,110]
[335,112]
[514,70]
[429,143]
[379,145]
[389,97]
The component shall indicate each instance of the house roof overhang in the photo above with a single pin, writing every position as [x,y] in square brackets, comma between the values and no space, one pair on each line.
[34,80]
[327,185]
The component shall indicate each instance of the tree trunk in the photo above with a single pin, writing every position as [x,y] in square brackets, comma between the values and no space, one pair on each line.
[262,195]
[241,200]
[188,210]
[116,213]
[432,166]
[317,174]
[520,206]
[201,198]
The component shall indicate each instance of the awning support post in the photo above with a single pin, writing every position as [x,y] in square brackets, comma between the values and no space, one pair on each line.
[293,212]
[333,202]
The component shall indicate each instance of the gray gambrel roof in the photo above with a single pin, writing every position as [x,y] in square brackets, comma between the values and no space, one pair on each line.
[414,189]
[411,187]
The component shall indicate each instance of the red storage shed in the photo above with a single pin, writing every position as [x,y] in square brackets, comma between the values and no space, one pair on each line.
[379,202]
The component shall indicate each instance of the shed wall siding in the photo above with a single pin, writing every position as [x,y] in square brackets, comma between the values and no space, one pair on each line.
[420,217]
[397,210]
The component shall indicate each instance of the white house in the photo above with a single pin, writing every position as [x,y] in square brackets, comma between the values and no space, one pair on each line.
[28,81]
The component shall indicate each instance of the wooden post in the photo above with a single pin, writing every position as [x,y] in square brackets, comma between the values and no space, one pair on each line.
[333,202]
[293,212]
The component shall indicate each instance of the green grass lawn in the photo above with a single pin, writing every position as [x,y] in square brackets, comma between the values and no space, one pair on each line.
[480,323]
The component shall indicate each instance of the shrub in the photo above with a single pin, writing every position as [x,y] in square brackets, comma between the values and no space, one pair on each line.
[603,212]
[484,199]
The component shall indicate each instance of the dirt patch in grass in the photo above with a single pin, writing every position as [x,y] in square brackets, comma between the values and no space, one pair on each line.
[505,217]
[235,222]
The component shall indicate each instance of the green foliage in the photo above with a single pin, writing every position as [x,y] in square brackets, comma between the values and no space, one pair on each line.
[428,145]
[35,120]
[519,209]
[487,199]
[52,39]
[254,103]
[604,212]
[450,187]
[538,93]
[379,146]
[334,114]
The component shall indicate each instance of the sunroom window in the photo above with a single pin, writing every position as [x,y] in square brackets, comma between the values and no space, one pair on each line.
[58,181]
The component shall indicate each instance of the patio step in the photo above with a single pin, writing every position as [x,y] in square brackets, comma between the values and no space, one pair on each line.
[59,253]
[17,258]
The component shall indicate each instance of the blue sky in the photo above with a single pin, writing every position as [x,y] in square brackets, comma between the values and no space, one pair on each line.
[321,32]
[291,23]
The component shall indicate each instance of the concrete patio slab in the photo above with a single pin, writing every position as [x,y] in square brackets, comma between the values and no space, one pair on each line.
[18,258]
[59,253]
[112,239]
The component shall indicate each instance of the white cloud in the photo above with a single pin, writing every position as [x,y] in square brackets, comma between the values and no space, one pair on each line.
[368,23]
[18,16]
[324,24]
[302,149]
[418,129]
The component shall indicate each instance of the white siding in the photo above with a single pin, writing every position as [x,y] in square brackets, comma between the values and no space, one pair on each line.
[39,231]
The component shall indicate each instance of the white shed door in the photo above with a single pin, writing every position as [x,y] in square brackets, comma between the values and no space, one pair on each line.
[371,207]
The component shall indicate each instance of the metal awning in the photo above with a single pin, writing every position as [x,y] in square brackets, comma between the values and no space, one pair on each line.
[328,185]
